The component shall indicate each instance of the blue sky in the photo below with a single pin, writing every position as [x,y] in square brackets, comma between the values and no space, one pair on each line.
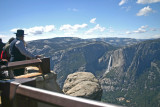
[80,18]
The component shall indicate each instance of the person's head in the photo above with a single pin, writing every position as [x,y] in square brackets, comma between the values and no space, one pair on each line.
[10,40]
[0,39]
[20,34]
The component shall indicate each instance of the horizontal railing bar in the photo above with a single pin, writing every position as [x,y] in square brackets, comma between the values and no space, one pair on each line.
[58,98]
[19,64]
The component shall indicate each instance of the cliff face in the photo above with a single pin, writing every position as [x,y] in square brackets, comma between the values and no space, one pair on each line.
[84,58]
[83,84]
[134,74]
[136,58]
[128,75]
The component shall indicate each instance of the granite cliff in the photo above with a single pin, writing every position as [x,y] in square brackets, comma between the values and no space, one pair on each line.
[133,75]
[129,74]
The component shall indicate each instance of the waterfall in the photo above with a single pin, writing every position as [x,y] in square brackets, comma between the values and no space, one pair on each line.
[109,66]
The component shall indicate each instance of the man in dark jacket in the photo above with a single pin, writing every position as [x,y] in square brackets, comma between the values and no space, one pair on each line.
[5,52]
[1,62]
[1,45]
[18,51]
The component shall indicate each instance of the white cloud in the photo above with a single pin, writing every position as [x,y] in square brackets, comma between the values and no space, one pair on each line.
[122,2]
[70,30]
[96,28]
[77,26]
[69,27]
[66,27]
[128,32]
[2,36]
[142,29]
[156,36]
[14,30]
[147,1]
[49,28]
[36,30]
[93,20]
[145,11]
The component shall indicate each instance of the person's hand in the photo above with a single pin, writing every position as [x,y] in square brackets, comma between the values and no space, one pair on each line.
[38,56]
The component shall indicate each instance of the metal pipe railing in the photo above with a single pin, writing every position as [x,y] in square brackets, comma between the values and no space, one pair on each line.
[58,99]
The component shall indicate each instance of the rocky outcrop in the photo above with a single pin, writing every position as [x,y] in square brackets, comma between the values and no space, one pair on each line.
[83,84]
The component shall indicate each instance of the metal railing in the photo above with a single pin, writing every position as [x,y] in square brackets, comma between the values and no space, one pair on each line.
[49,97]
[22,92]
[43,64]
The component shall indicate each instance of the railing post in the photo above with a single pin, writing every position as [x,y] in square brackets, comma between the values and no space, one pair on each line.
[45,66]
[9,97]
[8,93]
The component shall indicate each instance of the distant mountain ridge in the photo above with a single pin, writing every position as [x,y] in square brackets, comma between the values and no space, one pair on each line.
[119,42]
[121,68]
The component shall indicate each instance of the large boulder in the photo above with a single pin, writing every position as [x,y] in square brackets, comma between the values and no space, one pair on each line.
[83,84]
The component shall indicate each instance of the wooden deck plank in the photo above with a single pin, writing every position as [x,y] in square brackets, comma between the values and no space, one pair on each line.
[29,75]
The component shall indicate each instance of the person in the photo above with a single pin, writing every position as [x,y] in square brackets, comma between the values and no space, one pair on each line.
[18,51]
[2,62]
[1,45]
[5,52]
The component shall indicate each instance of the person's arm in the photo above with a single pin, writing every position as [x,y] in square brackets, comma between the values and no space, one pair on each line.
[20,45]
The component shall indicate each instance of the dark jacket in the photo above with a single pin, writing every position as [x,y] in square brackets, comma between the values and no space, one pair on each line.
[15,53]
[1,46]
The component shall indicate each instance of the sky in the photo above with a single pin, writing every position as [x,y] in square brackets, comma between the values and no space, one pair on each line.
[43,19]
